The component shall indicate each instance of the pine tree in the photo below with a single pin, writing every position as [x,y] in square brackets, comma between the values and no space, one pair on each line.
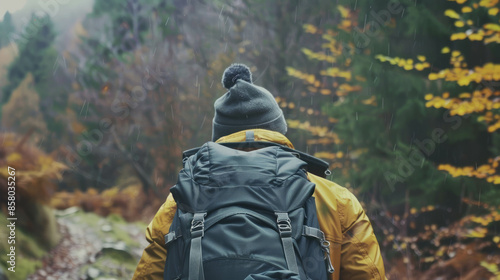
[384,141]
[386,144]
[6,29]
[38,56]
[33,52]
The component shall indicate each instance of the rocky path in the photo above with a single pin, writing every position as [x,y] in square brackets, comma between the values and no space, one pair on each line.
[92,247]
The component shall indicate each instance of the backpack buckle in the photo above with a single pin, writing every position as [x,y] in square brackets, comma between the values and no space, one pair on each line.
[198,225]
[284,224]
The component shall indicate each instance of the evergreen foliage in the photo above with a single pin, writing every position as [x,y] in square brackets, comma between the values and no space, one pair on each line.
[34,56]
[412,164]
[6,29]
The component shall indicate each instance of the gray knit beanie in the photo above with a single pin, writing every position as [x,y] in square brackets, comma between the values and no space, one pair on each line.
[245,105]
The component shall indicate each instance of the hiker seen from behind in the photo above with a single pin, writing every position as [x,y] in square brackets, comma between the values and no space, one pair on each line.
[247,205]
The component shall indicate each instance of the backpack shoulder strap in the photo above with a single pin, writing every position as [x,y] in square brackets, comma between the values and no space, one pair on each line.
[285,230]
[195,252]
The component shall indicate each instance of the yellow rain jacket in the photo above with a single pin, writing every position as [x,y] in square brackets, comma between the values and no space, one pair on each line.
[354,250]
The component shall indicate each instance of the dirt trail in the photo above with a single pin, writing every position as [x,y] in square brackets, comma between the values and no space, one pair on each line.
[76,249]
[82,245]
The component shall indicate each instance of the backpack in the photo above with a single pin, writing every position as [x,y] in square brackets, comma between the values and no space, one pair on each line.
[245,215]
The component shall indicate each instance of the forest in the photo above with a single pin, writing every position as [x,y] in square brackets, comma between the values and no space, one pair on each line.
[98,100]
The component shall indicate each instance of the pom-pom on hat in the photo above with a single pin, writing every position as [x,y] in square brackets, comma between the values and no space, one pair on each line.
[245,105]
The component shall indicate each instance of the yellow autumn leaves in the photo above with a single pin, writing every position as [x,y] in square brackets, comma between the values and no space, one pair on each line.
[483,101]
[493,268]
[451,14]
[330,156]
[320,131]
[485,171]
[309,28]
[321,56]
[463,77]
[324,137]
[337,72]
[464,231]
[331,51]
[291,105]
[466,103]
[487,219]
[341,89]
[36,170]
[478,226]
[407,64]
[488,33]
[309,78]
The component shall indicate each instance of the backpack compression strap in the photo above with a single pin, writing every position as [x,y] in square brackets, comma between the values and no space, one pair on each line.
[285,229]
[195,254]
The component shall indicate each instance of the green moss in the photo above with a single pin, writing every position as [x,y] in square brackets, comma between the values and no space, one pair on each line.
[118,227]
[29,246]
[28,253]
[24,267]
[47,220]
[116,218]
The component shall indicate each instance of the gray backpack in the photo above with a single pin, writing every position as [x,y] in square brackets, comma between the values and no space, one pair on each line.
[245,215]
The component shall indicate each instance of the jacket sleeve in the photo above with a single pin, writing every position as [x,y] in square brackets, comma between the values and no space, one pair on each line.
[152,262]
[360,251]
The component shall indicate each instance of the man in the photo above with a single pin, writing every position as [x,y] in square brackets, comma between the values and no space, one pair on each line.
[354,250]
